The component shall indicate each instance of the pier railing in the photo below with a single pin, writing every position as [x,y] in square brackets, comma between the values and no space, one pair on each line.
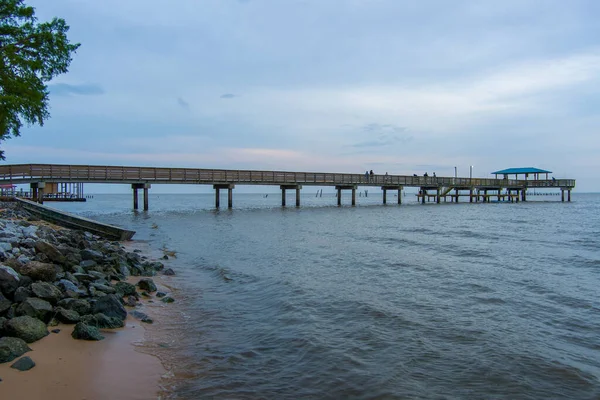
[26,173]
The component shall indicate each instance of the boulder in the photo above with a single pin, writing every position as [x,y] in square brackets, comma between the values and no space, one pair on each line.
[84,331]
[81,306]
[11,348]
[168,299]
[141,316]
[5,247]
[9,280]
[110,305]
[67,316]
[70,289]
[46,291]
[125,288]
[4,304]
[39,271]
[22,293]
[89,254]
[147,284]
[131,301]
[99,276]
[36,308]
[101,321]
[23,364]
[27,328]
[169,272]
[160,294]
[88,264]
[50,251]
[84,278]
[103,288]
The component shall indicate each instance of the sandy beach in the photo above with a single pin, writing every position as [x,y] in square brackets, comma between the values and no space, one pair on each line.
[121,366]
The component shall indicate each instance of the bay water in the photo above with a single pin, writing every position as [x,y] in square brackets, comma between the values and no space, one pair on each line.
[449,301]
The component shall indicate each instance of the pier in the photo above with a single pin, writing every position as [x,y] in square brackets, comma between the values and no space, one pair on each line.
[43,177]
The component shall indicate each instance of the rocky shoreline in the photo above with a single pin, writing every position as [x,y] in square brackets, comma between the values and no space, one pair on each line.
[51,275]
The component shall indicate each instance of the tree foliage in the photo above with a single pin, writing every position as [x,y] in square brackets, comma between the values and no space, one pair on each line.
[32,53]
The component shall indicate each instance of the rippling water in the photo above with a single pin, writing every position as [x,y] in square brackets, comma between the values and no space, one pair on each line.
[449,301]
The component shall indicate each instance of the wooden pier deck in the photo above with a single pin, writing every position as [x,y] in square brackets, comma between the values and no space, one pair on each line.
[38,175]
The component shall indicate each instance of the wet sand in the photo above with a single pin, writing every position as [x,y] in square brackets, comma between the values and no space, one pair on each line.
[75,369]
[122,366]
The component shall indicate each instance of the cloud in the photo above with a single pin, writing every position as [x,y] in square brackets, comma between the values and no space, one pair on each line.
[65,89]
[380,135]
[182,103]
[228,96]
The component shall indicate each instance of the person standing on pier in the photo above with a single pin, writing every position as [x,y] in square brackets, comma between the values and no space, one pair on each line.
[371,173]
[366,176]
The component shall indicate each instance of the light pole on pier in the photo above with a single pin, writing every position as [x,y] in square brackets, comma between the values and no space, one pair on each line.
[471,173]
[455,173]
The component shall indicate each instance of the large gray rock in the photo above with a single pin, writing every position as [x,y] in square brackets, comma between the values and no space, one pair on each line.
[27,328]
[9,280]
[39,271]
[84,331]
[23,364]
[89,254]
[5,247]
[103,288]
[110,305]
[50,251]
[102,321]
[125,288]
[36,308]
[147,284]
[4,304]
[22,293]
[81,306]
[67,316]
[88,264]
[46,291]
[11,348]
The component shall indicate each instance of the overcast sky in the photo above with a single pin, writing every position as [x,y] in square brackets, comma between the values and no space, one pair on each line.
[327,85]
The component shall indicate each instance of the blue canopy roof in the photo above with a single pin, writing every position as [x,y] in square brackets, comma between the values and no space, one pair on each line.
[527,170]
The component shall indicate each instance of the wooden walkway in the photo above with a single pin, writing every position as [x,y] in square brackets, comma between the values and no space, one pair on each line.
[142,178]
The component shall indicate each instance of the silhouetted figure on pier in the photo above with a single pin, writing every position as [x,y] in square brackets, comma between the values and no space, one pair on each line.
[371,173]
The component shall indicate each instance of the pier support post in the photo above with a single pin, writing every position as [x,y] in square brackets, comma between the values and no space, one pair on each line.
[135,187]
[569,195]
[562,195]
[135,198]
[146,197]
[524,194]
[37,191]
[229,187]
[437,195]
[470,195]
[456,195]
[339,193]
[384,195]
[400,195]
[424,193]
[295,187]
